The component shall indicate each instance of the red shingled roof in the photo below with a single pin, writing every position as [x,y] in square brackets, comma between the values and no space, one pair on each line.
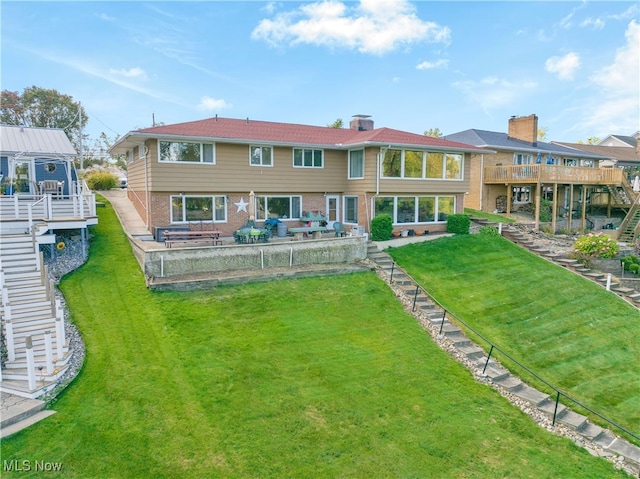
[288,133]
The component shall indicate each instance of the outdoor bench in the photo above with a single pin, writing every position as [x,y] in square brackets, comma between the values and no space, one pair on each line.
[192,237]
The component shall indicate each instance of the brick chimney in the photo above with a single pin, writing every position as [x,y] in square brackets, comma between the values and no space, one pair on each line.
[361,123]
[524,128]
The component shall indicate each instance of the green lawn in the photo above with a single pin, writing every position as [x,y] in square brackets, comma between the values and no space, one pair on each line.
[569,330]
[496,218]
[324,377]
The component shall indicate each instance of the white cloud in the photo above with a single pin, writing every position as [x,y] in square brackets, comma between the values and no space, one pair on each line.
[595,23]
[616,110]
[135,72]
[372,27]
[565,66]
[210,104]
[431,65]
[493,93]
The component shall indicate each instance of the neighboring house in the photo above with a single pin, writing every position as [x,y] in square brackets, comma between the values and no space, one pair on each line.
[524,171]
[621,140]
[203,173]
[30,156]
[624,157]
[40,185]
[41,196]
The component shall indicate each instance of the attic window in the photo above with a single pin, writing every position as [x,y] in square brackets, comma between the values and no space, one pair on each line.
[50,167]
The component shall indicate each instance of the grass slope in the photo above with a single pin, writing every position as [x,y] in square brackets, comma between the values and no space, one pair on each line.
[324,377]
[569,330]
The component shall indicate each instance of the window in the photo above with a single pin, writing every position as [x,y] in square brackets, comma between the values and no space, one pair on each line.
[521,194]
[435,168]
[50,167]
[392,164]
[198,208]
[260,156]
[570,162]
[283,207]
[415,209]
[412,164]
[453,164]
[351,209]
[182,151]
[587,163]
[422,165]
[356,164]
[521,159]
[307,158]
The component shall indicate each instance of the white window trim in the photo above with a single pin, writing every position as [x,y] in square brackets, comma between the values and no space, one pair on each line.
[424,166]
[416,199]
[349,177]
[344,209]
[261,165]
[293,157]
[211,221]
[201,143]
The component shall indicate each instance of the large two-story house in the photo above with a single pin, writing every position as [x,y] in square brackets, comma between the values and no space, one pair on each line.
[524,171]
[204,172]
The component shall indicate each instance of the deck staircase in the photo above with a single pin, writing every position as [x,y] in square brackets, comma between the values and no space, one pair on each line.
[32,320]
[623,196]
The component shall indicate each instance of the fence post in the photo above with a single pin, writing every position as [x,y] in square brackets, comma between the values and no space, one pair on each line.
[555,411]
[31,371]
[444,317]
[488,358]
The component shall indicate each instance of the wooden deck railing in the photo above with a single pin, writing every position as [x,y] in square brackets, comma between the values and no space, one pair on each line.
[552,174]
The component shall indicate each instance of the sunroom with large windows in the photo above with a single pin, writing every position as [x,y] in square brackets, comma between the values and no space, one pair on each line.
[418,164]
[415,209]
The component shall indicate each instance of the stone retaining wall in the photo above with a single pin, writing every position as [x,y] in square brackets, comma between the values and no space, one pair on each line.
[176,262]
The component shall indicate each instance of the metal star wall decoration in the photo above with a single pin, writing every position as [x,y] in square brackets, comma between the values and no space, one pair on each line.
[242,205]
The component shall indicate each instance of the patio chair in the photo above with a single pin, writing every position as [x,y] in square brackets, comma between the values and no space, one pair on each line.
[339,227]
[52,187]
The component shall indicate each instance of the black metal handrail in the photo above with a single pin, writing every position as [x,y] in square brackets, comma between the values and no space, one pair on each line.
[558,391]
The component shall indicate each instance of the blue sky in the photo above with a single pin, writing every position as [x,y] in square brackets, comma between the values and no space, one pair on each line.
[410,65]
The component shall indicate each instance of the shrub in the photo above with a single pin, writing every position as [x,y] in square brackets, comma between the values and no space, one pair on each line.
[101,180]
[489,230]
[458,224]
[546,229]
[629,261]
[381,228]
[634,268]
[596,246]
[546,210]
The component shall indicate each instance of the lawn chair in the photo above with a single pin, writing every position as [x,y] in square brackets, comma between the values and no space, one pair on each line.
[339,228]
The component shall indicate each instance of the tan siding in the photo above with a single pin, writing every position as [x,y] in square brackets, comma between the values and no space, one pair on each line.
[233,173]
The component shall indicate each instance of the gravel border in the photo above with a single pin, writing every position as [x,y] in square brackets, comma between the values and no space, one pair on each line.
[66,260]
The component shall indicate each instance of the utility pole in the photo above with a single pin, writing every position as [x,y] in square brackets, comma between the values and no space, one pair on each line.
[81,152]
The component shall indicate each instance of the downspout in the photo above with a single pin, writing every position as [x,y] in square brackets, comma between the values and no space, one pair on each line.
[146,188]
[481,181]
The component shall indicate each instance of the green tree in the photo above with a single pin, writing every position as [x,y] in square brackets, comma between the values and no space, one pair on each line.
[97,153]
[434,132]
[45,108]
[336,124]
